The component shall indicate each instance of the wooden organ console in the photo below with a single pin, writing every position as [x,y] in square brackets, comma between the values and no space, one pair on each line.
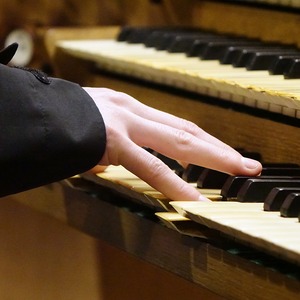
[235,250]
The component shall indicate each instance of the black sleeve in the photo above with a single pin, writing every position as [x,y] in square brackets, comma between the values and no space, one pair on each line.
[50,129]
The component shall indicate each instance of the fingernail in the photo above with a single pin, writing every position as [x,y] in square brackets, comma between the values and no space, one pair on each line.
[204,199]
[250,163]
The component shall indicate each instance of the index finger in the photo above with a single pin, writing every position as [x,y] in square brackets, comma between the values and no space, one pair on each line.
[158,175]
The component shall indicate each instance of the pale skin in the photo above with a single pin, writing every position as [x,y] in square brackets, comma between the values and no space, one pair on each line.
[131,125]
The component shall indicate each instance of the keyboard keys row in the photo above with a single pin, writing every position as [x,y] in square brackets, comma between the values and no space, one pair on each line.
[251,54]
[277,196]
[257,189]
[278,186]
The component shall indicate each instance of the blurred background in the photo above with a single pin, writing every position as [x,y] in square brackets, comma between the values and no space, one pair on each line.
[29,19]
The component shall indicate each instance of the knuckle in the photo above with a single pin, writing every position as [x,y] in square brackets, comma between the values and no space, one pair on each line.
[124,101]
[181,188]
[114,97]
[158,168]
[183,138]
[118,98]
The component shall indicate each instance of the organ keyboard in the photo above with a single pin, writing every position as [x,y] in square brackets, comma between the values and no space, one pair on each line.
[152,54]
[257,89]
[248,221]
[249,109]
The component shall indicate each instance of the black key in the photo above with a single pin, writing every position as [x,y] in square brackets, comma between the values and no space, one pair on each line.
[179,171]
[275,171]
[148,35]
[253,155]
[280,165]
[139,35]
[124,33]
[183,43]
[291,206]
[153,39]
[256,190]
[232,53]
[211,179]
[233,184]
[192,173]
[158,38]
[263,60]
[244,56]
[281,64]
[293,69]
[150,150]
[136,35]
[167,38]
[216,50]
[199,45]
[277,196]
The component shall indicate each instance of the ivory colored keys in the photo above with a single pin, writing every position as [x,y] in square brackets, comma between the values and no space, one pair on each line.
[247,222]
[272,93]
[135,189]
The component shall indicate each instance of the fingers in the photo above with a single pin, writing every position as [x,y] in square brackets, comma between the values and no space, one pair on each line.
[183,146]
[158,116]
[131,124]
[153,171]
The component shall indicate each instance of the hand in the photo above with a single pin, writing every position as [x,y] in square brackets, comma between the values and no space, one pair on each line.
[131,125]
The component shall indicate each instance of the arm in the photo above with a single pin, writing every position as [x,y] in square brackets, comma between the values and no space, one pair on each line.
[50,129]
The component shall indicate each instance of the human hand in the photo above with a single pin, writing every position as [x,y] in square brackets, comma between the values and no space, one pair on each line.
[131,125]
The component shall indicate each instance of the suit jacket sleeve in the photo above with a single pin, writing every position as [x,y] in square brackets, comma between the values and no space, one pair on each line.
[50,129]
